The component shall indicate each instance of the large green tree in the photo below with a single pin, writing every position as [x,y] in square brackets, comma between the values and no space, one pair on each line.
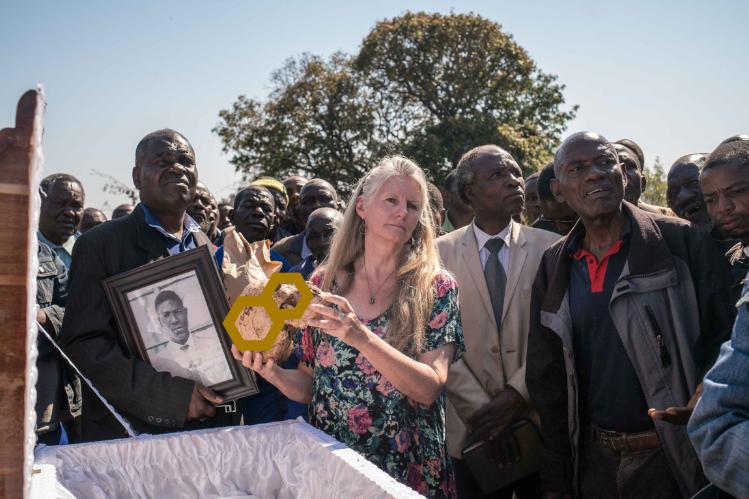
[430,86]
[470,84]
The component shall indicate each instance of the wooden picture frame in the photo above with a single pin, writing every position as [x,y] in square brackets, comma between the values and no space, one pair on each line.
[170,313]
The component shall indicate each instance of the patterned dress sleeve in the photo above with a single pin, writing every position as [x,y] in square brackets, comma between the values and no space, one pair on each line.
[444,324]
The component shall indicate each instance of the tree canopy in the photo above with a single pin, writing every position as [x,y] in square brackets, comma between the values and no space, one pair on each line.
[429,86]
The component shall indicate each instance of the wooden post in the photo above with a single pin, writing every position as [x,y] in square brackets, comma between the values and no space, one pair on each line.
[20,155]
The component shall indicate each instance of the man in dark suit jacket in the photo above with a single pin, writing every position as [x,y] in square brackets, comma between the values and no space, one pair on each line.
[153,402]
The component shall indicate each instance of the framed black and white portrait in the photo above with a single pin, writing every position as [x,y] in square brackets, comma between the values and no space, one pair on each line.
[171,313]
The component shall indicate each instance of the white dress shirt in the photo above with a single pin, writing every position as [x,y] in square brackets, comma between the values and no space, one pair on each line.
[305,249]
[200,359]
[504,252]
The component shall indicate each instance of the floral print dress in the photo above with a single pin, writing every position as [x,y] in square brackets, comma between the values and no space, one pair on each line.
[354,403]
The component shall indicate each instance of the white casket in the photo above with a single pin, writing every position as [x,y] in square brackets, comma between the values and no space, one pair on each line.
[290,459]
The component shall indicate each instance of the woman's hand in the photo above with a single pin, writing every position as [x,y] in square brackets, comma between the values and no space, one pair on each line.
[342,323]
[254,360]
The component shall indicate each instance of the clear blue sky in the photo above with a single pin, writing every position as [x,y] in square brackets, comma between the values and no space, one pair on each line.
[671,75]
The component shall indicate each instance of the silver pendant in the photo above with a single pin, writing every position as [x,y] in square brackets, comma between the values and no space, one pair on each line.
[371,300]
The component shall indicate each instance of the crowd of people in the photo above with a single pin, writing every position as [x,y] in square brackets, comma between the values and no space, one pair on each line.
[451,316]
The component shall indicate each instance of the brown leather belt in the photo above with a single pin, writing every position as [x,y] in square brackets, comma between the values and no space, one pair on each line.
[618,441]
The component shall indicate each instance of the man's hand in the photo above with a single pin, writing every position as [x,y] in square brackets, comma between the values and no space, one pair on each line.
[677,415]
[503,449]
[497,414]
[41,318]
[201,403]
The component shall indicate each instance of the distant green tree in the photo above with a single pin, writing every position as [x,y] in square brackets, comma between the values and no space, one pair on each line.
[429,86]
[463,82]
[655,192]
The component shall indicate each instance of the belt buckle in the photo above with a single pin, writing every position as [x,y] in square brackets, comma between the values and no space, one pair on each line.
[607,439]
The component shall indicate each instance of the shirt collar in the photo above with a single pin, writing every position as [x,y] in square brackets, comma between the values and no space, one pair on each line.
[67,245]
[184,347]
[306,252]
[575,241]
[188,224]
[482,237]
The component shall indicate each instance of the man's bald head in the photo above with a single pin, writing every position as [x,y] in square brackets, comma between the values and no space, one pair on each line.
[696,161]
[318,183]
[255,190]
[165,134]
[122,210]
[316,193]
[683,193]
[634,180]
[325,213]
[561,154]
[321,225]
[589,176]
[632,146]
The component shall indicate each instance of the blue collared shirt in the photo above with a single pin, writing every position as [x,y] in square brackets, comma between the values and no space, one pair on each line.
[719,427]
[305,267]
[63,251]
[174,244]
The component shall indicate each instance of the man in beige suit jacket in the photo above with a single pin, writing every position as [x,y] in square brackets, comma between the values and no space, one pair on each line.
[486,388]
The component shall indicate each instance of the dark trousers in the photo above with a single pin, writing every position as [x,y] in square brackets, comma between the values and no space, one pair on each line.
[622,475]
[527,488]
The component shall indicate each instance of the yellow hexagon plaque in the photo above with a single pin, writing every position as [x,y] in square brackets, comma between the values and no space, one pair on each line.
[278,316]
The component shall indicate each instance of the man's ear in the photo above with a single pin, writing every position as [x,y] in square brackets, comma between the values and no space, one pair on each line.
[556,191]
[469,194]
[136,177]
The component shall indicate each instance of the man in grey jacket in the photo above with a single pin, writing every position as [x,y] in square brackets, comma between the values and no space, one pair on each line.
[627,313]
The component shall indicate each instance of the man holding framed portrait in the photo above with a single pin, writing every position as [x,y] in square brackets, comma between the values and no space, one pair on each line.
[165,175]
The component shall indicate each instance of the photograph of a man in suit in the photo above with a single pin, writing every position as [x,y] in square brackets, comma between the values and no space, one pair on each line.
[196,357]
[494,260]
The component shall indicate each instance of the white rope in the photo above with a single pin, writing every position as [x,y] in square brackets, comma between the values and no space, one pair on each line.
[129,429]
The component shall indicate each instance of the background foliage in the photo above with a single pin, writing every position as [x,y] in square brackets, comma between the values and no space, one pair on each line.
[655,191]
[429,86]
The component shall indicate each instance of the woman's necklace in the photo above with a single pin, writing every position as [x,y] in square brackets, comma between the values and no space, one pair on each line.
[371,294]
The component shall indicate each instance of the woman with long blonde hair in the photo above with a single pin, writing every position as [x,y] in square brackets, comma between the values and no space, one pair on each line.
[374,360]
